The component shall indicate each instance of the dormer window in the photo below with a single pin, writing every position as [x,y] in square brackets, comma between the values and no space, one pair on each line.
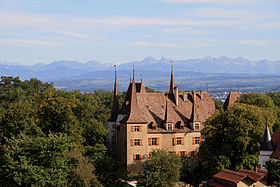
[196,126]
[169,126]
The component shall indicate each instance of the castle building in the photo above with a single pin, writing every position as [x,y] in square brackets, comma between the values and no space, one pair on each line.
[149,121]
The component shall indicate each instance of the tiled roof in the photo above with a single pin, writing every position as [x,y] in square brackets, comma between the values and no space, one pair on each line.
[231,99]
[220,184]
[134,115]
[276,143]
[152,107]
[168,113]
[256,176]
[262,171]
[231,176]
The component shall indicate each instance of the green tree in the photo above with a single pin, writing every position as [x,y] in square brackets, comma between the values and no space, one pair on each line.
[231,136]
[82,171]
[161,169]
[273,176]
[109,171]
[35,160]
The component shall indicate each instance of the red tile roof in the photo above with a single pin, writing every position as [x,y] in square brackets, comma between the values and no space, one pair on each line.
[134,115]
[152,108]
[232,98]
[262,171]
[256,176]
[231,176]
[220,184]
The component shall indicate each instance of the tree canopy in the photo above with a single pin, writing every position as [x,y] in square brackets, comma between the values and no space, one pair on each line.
[161,169]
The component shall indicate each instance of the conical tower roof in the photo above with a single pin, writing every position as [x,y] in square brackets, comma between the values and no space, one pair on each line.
[266,143]
[134,114]
[172,84]
[115,107]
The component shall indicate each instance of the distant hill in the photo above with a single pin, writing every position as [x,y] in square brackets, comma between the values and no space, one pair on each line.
[218,73]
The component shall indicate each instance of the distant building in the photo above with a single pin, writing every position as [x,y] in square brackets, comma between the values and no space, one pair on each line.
[148,121]
[241,178]
[269,147]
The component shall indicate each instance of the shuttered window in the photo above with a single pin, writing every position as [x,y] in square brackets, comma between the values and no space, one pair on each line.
[137,157]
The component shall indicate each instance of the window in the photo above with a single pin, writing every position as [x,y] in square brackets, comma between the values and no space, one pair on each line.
[178,141]
[136,128]
[169,126]
[196,140]
[182,154]
[136,142]
[153,141]
[196,126]
[136,157]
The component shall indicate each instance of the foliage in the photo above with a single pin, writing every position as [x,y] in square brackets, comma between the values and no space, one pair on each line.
[82,172]
[273,176]
[37,160]
[32,111]
[230,137]
[109,171]
[161,169]
[257,99]
[219,104]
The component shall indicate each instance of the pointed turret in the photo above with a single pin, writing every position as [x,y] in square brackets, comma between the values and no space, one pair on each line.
[115,108]
[134,115]
[266,143]
[172,85]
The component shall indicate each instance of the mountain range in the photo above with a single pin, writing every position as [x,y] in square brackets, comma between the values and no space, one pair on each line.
[95,74]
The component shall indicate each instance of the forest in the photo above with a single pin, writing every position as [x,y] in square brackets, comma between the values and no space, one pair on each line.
[53,137]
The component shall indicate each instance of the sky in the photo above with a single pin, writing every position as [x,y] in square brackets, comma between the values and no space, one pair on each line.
[120,31]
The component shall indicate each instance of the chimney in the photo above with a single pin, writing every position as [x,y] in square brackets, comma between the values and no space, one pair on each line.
[176,95]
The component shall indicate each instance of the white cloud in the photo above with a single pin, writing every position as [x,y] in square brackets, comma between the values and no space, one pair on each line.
[215,1]
[144,44]
[27,43]
[183,30]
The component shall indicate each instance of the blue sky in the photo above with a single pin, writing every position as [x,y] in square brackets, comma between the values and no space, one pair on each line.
[119,31]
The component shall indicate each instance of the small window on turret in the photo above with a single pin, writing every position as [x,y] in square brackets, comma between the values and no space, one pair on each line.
[169,126]
[196,127]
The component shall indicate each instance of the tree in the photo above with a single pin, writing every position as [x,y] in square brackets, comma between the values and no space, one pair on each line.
[273,176]
[161,169]
[37,160]
[82,171]
[231,136]
[109,171]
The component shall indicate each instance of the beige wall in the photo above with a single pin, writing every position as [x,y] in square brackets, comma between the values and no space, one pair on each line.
[166,142]
[136,165]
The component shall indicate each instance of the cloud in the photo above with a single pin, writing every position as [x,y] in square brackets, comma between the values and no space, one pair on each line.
[24,20]
[183,30]
[144,44]
[27,43]
[215,1]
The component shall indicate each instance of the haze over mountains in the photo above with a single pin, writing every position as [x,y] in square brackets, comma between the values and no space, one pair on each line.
[94,74]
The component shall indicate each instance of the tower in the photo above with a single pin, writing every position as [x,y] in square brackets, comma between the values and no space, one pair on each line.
[266,148]
[113,118]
